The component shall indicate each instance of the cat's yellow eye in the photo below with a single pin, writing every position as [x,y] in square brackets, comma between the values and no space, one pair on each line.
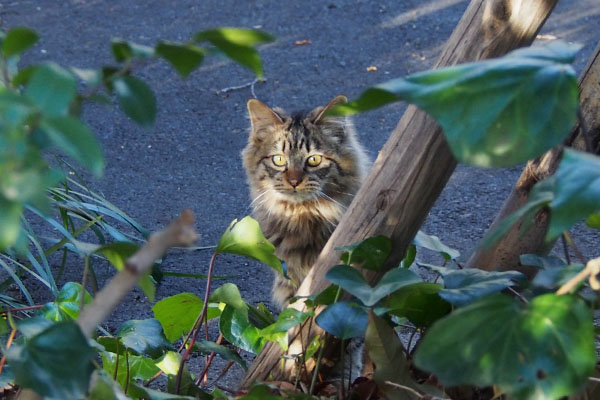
[314,160]
[278,160]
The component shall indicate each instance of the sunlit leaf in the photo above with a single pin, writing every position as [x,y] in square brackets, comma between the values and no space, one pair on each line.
[139,367]
[343,320]
[178,313]
[229,294]
[287,319]
[371,253]
[434,243]
[237,44]
[185,58]
[56,362]
[52,89]
[529,98]
[594,221]
[541,350]
[123,50]
[136,99]
[145,337]
[17,40]
[66,305]
[246,238]
[352,280]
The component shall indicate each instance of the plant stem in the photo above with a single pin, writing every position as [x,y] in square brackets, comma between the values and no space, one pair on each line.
[313,381]
[198,322]
[86,268]
[208,363]
[13,332]
[11,310]
[565,248]
[116,363]
[127,372]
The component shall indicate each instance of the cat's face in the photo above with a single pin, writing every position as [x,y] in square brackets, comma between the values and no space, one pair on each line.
[299,157]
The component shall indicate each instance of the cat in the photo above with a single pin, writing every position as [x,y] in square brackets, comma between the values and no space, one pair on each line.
[303,170]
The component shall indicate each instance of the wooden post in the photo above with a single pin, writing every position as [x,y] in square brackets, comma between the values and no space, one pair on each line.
[412,168]
[505,254]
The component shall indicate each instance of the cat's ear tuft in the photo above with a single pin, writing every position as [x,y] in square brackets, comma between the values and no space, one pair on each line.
[338,100]
[261,116]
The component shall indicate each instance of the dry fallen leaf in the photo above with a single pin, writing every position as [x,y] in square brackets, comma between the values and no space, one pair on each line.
[302,42]
[371,68]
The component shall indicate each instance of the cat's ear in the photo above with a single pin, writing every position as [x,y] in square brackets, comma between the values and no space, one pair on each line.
[261,116]
[338,100]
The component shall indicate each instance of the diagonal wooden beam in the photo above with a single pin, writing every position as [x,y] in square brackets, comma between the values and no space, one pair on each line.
[412,168]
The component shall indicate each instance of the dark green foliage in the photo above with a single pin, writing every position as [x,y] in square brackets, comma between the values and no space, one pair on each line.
[145,337]
[17,40]
[185,58]
[544,349]
[66,306]
[343,320]
[136,99]
[420,303]
[371,253]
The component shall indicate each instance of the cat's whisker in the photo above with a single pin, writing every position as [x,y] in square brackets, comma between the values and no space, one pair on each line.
[327,197]
[259,196]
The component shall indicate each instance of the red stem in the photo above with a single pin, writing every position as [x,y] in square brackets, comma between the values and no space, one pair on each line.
[198,322]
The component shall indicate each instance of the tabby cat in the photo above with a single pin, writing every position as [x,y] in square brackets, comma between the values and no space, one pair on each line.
[303,170]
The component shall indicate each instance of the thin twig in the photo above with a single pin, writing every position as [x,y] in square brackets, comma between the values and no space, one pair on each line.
[208,363]
[519,295]
[574,246]
[591,270]
[86,268]
[18,309]
[313,381]
[127,371]
[13,332]
[245,85]
[116,362]
[198,322]
[342,353]
[408,389]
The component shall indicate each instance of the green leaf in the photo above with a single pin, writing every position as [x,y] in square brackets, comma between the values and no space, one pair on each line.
[261,392]
[229,294]
[185,58]
[52,89]
[10,222]
[237,44]
[435,244]
[117,254]
[371,253]
[145,337]
[32,326]
[352,280]
[24,75]
[463,286]
[136,99]
[66,305]
[343,320]
[153,394]
[553,273]
[419,302]
[594,221]
[326,297]
[277,332]
[206,347]
[497,112]
[76,140]
[17,40]
[387,353]
[56,362]
[178,313]
[123,50]
[542,350]
[237,329]
[409,257]
[246,238]
[139,367]
[576,191]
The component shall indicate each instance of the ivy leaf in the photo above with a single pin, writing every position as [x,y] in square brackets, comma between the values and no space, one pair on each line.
[371,253]
[123,50]
[178,313]
[576,191]
[343,320]
[463,286]
[237,44]
[66,305]
[434,243]
[420,303]
[594,221]
[17,40]
[228,294]
[277,332]
[206,347]
[136,99]
[185,58]
[544,349]
[139,367]
[145,337]
[56,362]
[52,89]
[76,140]
[246,238]
[237,329]
[351,280]
[530,98]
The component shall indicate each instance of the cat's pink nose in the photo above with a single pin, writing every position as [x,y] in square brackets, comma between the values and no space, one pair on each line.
[293,182]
